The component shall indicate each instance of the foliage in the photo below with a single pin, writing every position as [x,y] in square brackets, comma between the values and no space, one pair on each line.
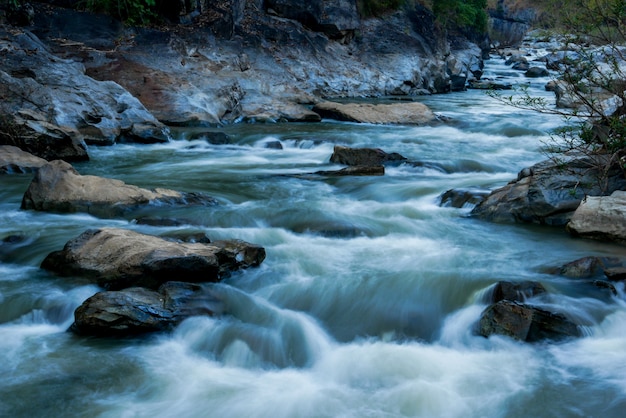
[593,79]
[461,13]
[133,12]
[378,7]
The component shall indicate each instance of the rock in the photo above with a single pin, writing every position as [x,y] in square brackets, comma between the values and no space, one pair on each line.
[363,156]
[509,22]
[14,160]
[516,59]
[138,310]
[412,113]
[462,198]
[603,284]
[525,323]
[358,170]
[601,217]
[516,291]
[615,274]
[585,267]
[68,103]
[537,72]
[213,138]
[489,85]
[58,187]
[31,132]
[336,18]
[547,193]
[521,66]
[119,258]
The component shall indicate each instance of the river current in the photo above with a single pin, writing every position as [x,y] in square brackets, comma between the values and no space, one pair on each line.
[365,305]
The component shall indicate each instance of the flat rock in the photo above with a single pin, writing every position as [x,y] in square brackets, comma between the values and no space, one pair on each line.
[58,187]
[14,160]
[359,170]
[119,258]
[601,217]
[412,113]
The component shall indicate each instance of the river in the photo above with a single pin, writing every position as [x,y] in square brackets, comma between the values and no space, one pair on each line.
[365,304]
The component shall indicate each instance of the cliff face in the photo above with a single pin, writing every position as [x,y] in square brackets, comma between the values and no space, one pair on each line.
[509,22]
[233,60]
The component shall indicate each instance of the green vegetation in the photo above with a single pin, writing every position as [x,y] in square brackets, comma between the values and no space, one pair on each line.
[461,13]
[378,7]
[133,12]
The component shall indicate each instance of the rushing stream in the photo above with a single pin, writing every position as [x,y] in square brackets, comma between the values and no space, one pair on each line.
[365,305]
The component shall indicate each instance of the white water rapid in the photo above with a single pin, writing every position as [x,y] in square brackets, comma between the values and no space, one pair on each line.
[365,305]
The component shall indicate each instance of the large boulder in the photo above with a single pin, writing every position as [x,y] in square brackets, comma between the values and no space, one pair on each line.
[32,132]
[138,310]
[601,217]
[525,323]
[412,113]
[58,187]
[118,258]
[33,79]
[14,160]
[548,192]
[363,156]
[516,291]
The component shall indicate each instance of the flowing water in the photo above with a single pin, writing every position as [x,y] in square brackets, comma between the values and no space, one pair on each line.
[365,305]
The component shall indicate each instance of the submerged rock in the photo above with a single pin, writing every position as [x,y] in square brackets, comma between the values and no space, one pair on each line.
[14,160]
[358,170]
[363,156]
[525,323]
[118,258]
[138,310]
[412,113]
[58,187]
[601,217]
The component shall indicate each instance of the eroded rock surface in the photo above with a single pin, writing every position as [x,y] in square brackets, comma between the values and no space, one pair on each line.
[601,217]
[14,160]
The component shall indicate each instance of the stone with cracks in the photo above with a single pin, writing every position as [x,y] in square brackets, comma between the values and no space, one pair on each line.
[412,113]
[601,217]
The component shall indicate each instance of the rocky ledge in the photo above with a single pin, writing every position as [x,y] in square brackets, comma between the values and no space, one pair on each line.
[14,160]
[119,258]
[58,187]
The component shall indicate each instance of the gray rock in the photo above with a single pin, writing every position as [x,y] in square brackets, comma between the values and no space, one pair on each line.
[118,258]
[138,310]
[516,291]
[58,187]
[461,198]
[412,113]
[30,131]
[33,79]
[363,156]
[357,170]
[601,217]
[548,193]
[537,72]
[587,267]
[525,323]
[14,160]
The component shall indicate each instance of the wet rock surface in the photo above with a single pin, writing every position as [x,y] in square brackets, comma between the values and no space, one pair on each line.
[525,323]
[413,113]
[547,193]
[138,310]
[58,187]
[119,258]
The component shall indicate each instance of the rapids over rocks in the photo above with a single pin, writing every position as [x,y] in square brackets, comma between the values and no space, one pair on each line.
[366,304]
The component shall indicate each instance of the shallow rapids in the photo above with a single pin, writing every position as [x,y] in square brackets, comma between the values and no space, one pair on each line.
[367,301]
